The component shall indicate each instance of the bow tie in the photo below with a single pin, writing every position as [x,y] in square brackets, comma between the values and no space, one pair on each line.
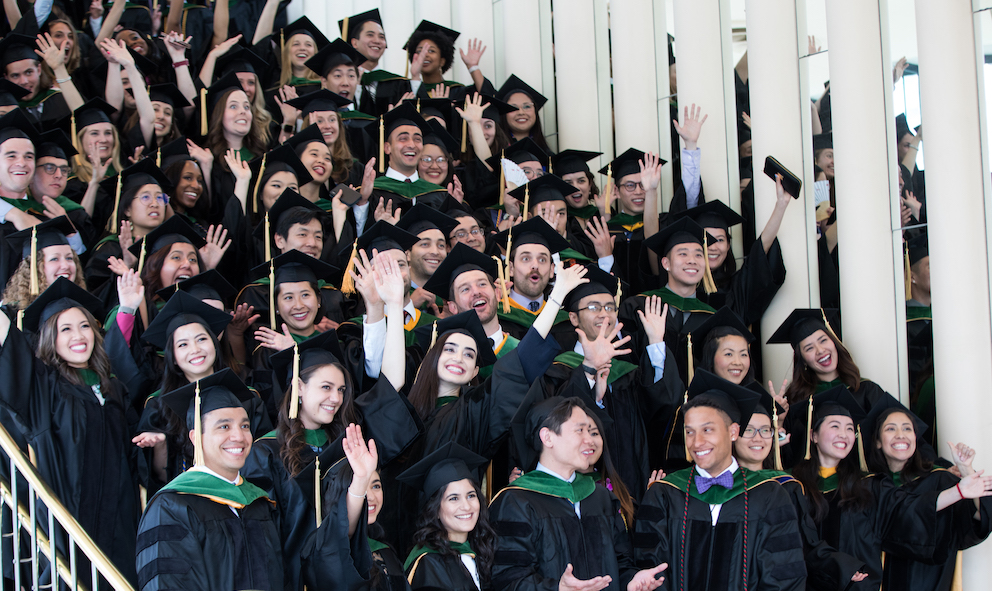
[726,480]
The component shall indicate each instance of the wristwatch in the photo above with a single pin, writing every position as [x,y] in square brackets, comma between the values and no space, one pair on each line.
[589,370]
[288,128]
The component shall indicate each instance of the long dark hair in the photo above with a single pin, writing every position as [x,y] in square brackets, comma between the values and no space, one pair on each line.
[99,362]
[432,534]
[915,467]
[607,470]
[804,379]
[339,484]
[292,433]
[712,344]
[854,493]
[536,132]
[723,274]
[174,173]
[423,394]
[151,274]
[172,376]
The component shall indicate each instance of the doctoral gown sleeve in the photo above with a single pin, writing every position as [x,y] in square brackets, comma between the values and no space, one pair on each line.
[905,520]
[329,558]
[436,571]
[757,281]
[827,569]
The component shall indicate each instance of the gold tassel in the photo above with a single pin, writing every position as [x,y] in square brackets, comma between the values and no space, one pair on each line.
[609,187]
[685,400]
[294,403]
[347,282]
[465,132]
[316,489]
[957,584]
[617,297]
[418,105]
[282,42]
[344,29]
[830,329]
[382,142]
[908,278]
[551,169]
[709,286]
[776,448]
[526,211]
[197,428]
[268,241]
[35,288]
[74,139]
[117,204]
[158,158]
[433,335]
[141,257]
[203,112]
[861,453]
[502,178]
[254,193]
[272,295]
[504,292]
[20,320]
[692,363]
[809,429]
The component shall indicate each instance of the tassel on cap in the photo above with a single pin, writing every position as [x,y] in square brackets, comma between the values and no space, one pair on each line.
[861,453]
[692,363]
[197,430]
[254,193]
[709,286]
[348,282]
[294,402]
[272,295]
[504,269]
[465,132]
[433,335]
[685,400]
[418,105]
[809,429]
[141,256]
[35,288]
[619,294]
[908,274]
[203,112]
[382,142]
[316,489]
[267,237]
[504,292]
[776,447]
[526,211]
[830,329]
[609,187]
[117,203]
[158,158]
[282,41]
[20,319]
[502,178]
[344,35]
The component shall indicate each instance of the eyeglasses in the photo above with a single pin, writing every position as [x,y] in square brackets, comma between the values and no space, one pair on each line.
[765,432]
[596,307]
[631,186]
[429,160]
[51,168]
[146,198]
[463,234]
[525,106]
[535,172]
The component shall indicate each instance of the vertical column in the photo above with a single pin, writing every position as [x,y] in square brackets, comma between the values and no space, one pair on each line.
[398,20]
[582,76]
[520,42]
[780,116]
[474,18]
[871,279]
[951,88]
[706,78]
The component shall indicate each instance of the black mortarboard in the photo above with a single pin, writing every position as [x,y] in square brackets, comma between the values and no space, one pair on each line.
[354,23]
[184,308]
[803,322]
[833,402]
[168,94]
[133,177]
[542,189]
[405,114]
[171,231]
[54,144]
[823,141]
[738,402]
[448,463]
[383,236]
[136,18]
[680,231]
[51,232]
[569,161]
[208,285]
[16,124]
[336,53]
[317,350]
[625,164]
[59,297]
[918,249]
[422,217]
[533,231]
[600,282]
[514,84]
[723,317]
[713,214]
[173,152]
[300,140]
[426,26]
[461,259]
[870,424]
[16,47]
[467,321]
[216,90]
[289,199]
[902,126]
[433,107]
[321,100]
[526,150]
[10,93]
[438,135]
[304,26]
[238,60]
[294,266]
[93,111]
[286,154]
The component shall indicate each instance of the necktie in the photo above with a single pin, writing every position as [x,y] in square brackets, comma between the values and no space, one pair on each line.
[407,181]
[407,317]
[492,342]
[533,306]
[726,480]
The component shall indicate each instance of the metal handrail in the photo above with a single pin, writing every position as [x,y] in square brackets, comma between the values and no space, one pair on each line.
[21,467]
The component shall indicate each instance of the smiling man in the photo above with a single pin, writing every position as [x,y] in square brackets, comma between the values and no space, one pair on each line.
[719,525]
[431,228]
[403,132]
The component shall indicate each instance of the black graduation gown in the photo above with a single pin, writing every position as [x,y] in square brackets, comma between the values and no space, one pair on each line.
[351,334]
[713,556]
[540,534]
[919,340]
[83,448]
[958,530]
[441,571]
[389,574]
[750,290]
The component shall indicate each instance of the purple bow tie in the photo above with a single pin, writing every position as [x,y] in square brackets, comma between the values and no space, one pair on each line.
[726,480]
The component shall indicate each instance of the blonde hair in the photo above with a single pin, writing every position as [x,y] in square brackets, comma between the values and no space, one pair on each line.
[75,57]
[81,164]
[18,292]
[341,156]
[286,66]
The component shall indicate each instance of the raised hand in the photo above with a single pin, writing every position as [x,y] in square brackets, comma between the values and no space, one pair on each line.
[474,54]
[963,457]
[653,319]
[217,244]
[363,458]
[130,290]
[116,52]
[603,349]
[202,155]
[975,485]
[364,284]
[417,64]
[240,168]
[899,69]
[601,382]
[174,44]
[455,189]
[326,324]
[368,180]
[509,221]
[813,47]
[137,155]
[99,167]
[52,207]
[385,211]
[271,339]
[473,109]
[548,214]
[289,113]
[148,439]
[567,279]
[222,48]
[651,170]
[779,397]
[51,53]
[388,280]
[692,124]
[602,241]
[440,91]
[242,317]
[656,476]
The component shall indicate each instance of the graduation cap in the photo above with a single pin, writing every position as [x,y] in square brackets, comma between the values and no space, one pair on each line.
[240,60]
[172,152]
[771,409]
[16,124]
[541,190]
[320,100]
[290,267]
[423,217]
[210,96]
[10,93]
[30,241]
[382,236]
[92,112]
[284,158]
[172,231]
[289,199]
[468,321]
[448,463]
[683,231]
[222,389]
[600,282]
[533,231]
[336,53]
[461,259]
[136,18]
[168,94]
[836,401]
[350,26]
[426,26]
[803,322]
[209,285]
[902,126]
[16,47]
[405,114]
[736,401]
[571,161]
[184,308]
[525,427]
[301,26]
[301,140]
[527,150]
[132,178]
[439,136]
[514,85]
[882,409]
[287,364]
[918,248]
[433,107]
[723,317]
[61,295]
[823,141]
[54,144]
[623,165]
[713,214]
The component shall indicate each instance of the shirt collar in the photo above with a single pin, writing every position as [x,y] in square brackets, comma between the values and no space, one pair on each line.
[497,337]
[524,300]
[396,175]
[732,469]
[410,309]
[542,468]
[206,470]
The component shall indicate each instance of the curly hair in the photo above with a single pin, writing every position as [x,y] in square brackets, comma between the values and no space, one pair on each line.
[432,534]
[18,291]
[82,166]
[99,362]
[256,141]
[805,380]
[444,45]
[292,433]
[341,156]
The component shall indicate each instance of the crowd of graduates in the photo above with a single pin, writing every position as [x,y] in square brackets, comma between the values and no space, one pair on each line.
[276,318]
